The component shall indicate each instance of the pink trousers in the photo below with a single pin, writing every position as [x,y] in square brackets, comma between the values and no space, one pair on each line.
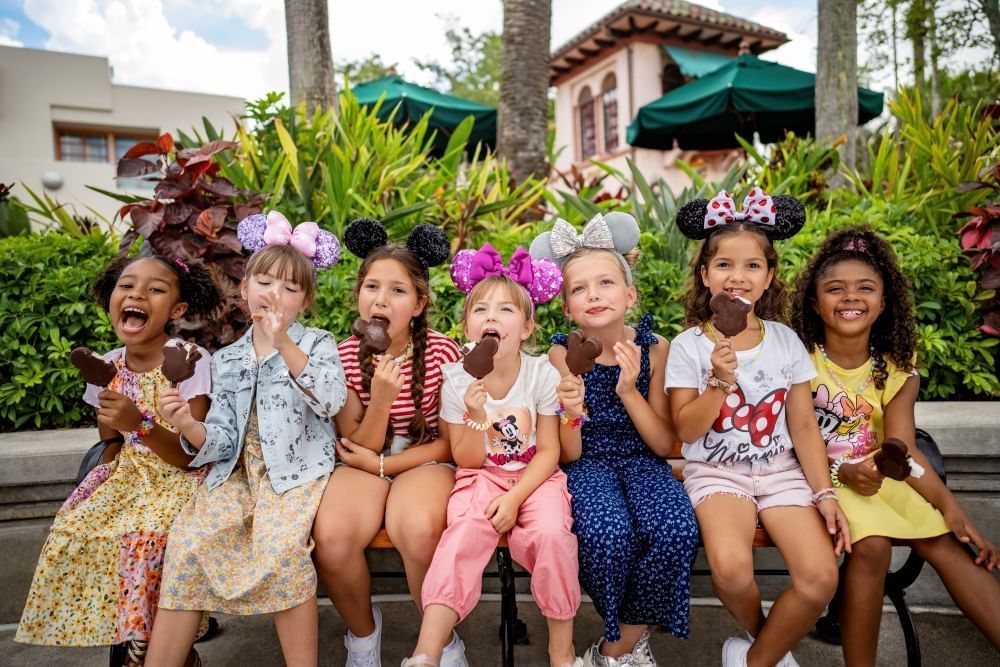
[541,541]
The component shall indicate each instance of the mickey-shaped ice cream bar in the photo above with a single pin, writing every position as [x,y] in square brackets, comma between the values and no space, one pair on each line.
[581,352]
[374,335]
[179,359]
[94,369]
[893,461]
[730,313]
[478,362]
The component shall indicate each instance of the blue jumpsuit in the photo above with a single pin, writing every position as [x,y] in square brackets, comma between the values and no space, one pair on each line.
[635,525]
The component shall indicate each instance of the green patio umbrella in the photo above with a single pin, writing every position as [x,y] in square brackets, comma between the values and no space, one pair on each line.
[414,101]
[744,96]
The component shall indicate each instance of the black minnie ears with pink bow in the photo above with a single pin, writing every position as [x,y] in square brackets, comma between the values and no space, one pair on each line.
[426,241]
[779,217]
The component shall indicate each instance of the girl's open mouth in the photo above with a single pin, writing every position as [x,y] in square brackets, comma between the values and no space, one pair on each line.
[133,320]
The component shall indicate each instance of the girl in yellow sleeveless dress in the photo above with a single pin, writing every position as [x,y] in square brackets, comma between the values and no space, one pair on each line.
[854,313]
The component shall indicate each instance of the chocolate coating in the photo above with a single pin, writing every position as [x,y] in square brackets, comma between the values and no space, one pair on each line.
[581,352]
[892,460]
[373,335]
[479,362]
[730,313]
[94,369]
[179,361]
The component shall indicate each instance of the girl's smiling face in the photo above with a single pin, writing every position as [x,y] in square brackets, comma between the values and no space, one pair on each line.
[596,293]
[738,267]
[495,312]
[849,297]
[145,298]
[290,295]
[388,292]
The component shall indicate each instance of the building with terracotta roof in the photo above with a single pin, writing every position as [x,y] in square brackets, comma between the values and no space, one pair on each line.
[630,57]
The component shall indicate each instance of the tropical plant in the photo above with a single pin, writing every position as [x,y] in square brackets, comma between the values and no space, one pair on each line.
[980,239]
[13,218]
[51,215]
[193,215]
[796,166]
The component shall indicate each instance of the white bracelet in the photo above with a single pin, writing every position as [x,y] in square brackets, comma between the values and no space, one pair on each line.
[381,466]
[835,471]
[473,424]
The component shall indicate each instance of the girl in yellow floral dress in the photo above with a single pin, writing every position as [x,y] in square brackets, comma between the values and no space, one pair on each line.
[98,576]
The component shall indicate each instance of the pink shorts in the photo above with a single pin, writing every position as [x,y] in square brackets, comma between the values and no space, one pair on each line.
[774,482]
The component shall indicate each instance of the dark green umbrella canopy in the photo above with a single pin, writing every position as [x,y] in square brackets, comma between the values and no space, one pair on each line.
[414,101]
[744,96]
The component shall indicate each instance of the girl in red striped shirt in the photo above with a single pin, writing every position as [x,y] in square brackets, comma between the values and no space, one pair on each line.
[390,456]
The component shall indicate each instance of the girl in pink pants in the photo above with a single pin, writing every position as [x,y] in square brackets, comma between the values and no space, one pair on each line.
[501,420]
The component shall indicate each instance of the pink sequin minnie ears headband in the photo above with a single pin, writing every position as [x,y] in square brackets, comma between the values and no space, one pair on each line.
[615,231]
[427,242]
[779,217]
[318,245]
[541,278]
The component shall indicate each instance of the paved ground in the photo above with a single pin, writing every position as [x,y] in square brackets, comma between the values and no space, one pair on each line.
[251,641]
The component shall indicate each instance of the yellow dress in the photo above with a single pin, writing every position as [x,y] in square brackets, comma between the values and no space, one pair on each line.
[852,425]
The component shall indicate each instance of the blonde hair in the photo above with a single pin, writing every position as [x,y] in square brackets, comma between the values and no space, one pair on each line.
[515,293]
[284,261]
[631,258]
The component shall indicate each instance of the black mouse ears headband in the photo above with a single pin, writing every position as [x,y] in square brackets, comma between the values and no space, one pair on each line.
[779,217]
[426,241]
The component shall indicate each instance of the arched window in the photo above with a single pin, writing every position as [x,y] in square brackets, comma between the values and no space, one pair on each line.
[609,107]
[588,129]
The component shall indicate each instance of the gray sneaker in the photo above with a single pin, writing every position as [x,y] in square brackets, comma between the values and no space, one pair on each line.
[642,654]
[593,657]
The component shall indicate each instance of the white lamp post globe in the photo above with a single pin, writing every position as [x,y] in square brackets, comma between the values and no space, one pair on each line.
[52,179]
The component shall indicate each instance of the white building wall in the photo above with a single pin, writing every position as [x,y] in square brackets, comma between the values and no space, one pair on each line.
[40,88]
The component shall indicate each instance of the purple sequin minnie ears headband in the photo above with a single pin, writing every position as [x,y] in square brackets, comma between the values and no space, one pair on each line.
[541,278]
[318,245]
[779,217]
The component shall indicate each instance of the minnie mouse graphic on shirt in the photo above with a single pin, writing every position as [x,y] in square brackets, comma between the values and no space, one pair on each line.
[507,442]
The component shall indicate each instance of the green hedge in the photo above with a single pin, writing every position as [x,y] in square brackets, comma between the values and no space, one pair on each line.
[45,312]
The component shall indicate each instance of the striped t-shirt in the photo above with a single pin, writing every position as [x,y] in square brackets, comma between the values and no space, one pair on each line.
[440,350]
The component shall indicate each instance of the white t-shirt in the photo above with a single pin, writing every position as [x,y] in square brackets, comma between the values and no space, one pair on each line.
[510,440]
[752,423]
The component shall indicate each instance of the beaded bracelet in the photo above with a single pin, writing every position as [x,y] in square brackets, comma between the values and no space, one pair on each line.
[381,466]
[572,422]
[473,424]
[146,423]
[825,494]
[835,471]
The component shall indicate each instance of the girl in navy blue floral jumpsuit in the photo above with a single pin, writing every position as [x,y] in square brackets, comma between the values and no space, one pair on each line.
[636,529]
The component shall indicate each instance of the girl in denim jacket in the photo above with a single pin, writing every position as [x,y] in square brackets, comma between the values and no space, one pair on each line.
[242,545]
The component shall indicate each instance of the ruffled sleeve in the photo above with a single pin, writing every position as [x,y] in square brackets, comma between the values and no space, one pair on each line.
[644,331]
[559,339]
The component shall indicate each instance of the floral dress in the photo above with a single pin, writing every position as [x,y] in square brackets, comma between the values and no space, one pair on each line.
[636,529]
[98,577]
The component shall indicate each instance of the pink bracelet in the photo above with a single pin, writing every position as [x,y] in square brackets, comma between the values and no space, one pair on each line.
[825,494]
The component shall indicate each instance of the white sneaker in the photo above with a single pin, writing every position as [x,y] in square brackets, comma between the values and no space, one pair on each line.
[734,652]
[454,653]
[366,651]
[419,661]
[788,660]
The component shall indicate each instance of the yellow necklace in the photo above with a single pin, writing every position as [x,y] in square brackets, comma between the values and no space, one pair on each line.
[714,334]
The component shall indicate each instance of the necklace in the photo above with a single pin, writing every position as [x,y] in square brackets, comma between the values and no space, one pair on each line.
[833,374]
[713,334]
[405,354]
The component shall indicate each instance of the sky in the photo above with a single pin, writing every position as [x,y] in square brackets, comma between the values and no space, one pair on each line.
[237,47]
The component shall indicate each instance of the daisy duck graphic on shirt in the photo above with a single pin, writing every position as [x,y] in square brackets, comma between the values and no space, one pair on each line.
[845,422]
[510,440]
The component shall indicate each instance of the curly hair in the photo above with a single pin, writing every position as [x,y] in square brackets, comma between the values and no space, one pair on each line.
[419,431]
[194,282]
[773,303]
[894,333]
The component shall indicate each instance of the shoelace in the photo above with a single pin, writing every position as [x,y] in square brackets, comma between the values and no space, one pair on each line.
[368,658]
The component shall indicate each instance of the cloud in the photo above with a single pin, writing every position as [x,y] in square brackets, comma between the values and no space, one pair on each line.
[8,32]
[800,25]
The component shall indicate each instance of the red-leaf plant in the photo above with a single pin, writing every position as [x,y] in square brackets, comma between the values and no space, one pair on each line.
[193,214]
[980,239]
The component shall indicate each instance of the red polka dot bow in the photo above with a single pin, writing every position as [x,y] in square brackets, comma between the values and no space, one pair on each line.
[757,208]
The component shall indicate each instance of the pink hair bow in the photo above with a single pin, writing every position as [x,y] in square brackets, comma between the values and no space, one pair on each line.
[757,208]
[257,231]
[541,277]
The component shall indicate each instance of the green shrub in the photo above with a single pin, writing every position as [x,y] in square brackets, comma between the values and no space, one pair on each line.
[45,311]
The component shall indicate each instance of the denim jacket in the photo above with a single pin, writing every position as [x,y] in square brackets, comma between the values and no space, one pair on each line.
[294,415]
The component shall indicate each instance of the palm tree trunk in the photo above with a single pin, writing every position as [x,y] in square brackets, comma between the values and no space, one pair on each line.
[522,116]
[837,75]
[310,63]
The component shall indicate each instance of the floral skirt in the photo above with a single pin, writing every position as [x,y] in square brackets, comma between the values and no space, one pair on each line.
[241,548]
[98,577]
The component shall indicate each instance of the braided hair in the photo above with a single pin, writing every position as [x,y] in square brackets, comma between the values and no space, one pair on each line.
[194,281]
[893,336]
